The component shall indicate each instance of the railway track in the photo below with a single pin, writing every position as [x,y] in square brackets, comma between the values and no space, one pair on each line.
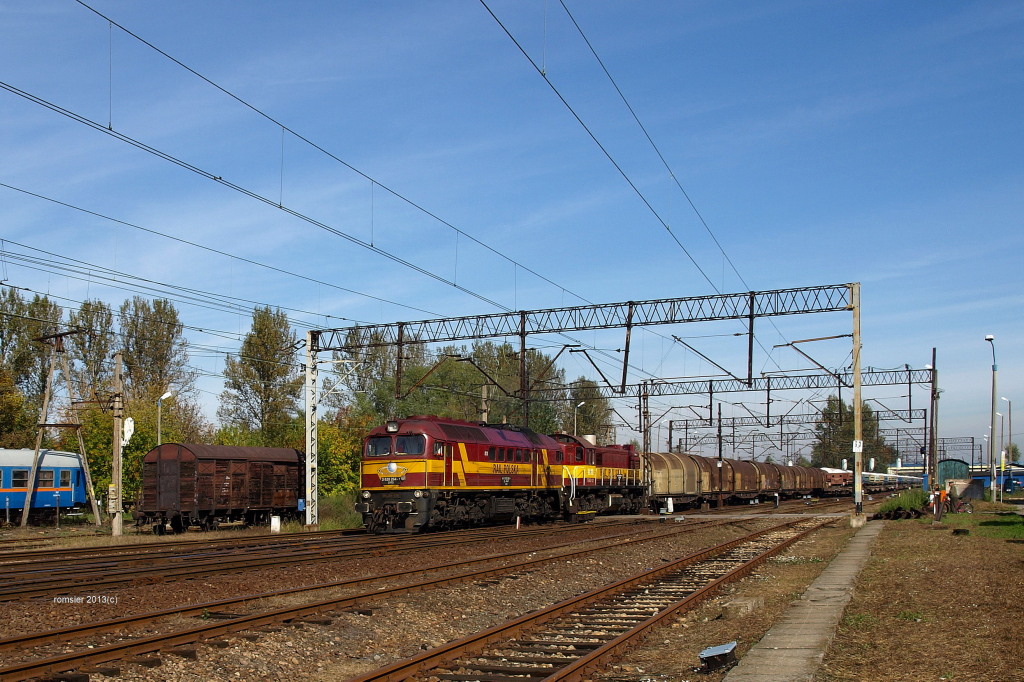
[501,565]
[578,636]
[27,574]
[26,578]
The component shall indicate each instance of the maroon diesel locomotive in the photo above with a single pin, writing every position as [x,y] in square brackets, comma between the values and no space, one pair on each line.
[427,472]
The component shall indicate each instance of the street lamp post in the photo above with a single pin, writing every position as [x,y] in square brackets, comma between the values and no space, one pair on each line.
[159,410]
[574,412]
[992,440]
[1009,440]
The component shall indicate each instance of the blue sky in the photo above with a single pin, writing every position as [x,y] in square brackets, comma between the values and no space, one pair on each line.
[822,143]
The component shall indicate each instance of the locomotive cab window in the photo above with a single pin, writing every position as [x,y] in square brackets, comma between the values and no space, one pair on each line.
[410,445]
[438,449]
[378,446]
[501,454]
[19,478]
[579,454]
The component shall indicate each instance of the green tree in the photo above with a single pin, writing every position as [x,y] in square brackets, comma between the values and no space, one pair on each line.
[26,359]
[592,416]
[834,437]
[263,383]
[154,350]
[1012,453]
[90,350]
[24,363]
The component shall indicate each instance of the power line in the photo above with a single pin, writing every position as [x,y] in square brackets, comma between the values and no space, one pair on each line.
[653,144]
[604,150]
[374,181]
[217,251]
[181,163]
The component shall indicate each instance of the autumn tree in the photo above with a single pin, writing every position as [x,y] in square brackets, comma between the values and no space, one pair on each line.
[263,383]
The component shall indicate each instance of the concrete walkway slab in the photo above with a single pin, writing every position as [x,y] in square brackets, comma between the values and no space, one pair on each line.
[795,646]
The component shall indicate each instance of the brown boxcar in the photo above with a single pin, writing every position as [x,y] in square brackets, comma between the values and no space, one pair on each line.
[191,484]
[746,479]
[769,477]
[676,476]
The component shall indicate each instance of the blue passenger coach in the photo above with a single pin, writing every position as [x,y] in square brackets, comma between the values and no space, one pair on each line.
[60,483]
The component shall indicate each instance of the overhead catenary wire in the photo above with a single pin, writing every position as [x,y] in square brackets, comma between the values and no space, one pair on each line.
[372,180]
[604,150]
[218,251]
[277,204]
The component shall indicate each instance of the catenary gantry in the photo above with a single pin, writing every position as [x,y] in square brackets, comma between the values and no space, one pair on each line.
[745,306]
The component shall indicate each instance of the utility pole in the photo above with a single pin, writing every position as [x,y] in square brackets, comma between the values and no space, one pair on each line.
[721,464]
[114,505]
[858,519]
[56,341]
[933,439]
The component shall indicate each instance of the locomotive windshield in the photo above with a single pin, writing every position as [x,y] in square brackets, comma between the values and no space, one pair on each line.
[382,446]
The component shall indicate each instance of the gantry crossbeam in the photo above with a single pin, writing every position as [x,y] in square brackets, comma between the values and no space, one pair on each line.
[740,306]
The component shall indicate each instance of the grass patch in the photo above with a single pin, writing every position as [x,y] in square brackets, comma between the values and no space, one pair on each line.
[860,621]
[911,616]
[998,526]
[336,512]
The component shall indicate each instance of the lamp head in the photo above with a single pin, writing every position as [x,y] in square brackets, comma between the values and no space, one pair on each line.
[989,338]
[167,395]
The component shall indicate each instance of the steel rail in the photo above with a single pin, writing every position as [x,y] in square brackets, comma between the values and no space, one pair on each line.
[473,644]
[173,570]
[106,653]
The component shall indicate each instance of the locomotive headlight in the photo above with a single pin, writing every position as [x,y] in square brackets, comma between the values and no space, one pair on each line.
[391,427]
[417,493]
[366,494]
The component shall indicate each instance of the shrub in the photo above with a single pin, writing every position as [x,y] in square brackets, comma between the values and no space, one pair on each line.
[907,500]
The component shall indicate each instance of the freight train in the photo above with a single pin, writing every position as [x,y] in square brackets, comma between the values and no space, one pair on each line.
[190,484]
[59,485]
[425,472]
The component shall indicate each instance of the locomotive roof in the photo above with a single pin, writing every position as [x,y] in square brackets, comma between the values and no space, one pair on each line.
[203,451]
[464,431]
[48,458]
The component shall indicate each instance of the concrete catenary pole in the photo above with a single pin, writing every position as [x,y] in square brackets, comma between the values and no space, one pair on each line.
[114,504]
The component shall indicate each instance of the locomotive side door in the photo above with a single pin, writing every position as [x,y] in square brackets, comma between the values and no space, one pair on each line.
[449,456]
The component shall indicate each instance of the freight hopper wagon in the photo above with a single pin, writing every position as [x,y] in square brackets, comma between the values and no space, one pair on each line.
[189,484]
[682,480]
[425,472]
